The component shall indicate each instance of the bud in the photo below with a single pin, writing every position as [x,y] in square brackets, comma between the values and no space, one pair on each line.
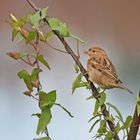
[14,55]
[27,93]
[35,83]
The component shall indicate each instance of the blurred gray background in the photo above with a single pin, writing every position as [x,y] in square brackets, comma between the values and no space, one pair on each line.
[114,25]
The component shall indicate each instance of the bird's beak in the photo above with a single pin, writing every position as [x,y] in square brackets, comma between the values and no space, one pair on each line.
[86,52]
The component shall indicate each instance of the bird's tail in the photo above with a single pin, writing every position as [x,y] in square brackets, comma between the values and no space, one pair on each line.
[123,87]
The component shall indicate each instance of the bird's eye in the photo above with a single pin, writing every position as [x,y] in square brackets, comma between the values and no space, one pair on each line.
[93,51]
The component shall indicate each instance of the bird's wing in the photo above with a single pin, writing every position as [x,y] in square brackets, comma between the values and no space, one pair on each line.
[110,66]
[104,65]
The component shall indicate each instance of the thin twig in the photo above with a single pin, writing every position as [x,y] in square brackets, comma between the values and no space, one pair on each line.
[34,97]
[78,54]
[28,58]
[56,48]
[37,62]
[64,109]
[27,62]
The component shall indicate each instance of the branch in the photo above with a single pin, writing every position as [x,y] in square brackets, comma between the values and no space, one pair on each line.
[93,88]
[134,125]
[32,5]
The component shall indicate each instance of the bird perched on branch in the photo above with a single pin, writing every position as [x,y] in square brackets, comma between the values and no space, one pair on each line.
[101,70]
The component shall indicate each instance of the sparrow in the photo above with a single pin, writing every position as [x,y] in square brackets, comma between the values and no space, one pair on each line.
[101,70]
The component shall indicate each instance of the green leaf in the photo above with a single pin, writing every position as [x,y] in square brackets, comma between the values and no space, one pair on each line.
[54,23]
[43,61]
[94,125]
[109,136]
[51,97]
[42,99]
[35,19]
[50,34]
[90,97]
[59,26]
[47,99]
[20,37]
[102,98]
[43,12]
[96,108]
[127,122]
[14,33]
[98,115]
[31,36]
[64,30]
[43,138]
[23,74]
[35,73]
[102,128]
[44,120]
[46,38]
[78,83]
[117,127]
[117,111]
[37,114]
[77,38]
[23,21]
[76,68]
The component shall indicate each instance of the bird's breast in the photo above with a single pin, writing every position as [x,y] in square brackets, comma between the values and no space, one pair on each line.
[94,75]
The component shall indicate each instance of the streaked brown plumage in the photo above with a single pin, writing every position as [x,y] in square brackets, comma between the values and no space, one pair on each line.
[101,70]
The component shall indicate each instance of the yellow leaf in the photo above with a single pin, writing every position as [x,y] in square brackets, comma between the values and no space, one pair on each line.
[13,18]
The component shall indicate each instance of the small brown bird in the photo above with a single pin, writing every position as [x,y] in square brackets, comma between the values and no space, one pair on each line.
[101,70]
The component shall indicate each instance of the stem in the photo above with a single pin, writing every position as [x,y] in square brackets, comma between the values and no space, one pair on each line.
[64,109]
